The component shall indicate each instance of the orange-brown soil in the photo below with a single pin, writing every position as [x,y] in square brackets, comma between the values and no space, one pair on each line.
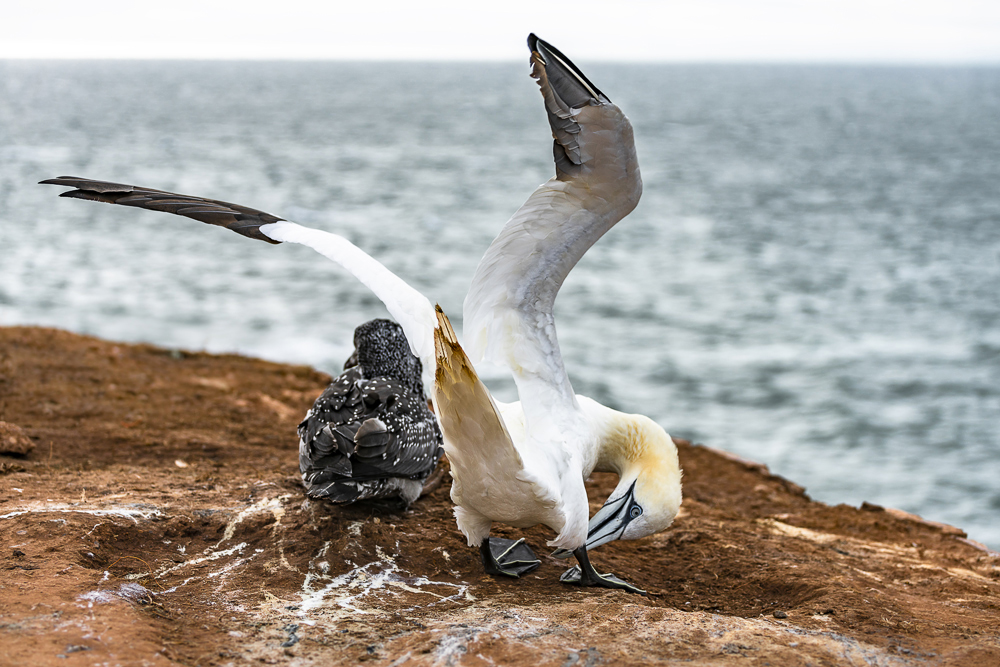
[159,519]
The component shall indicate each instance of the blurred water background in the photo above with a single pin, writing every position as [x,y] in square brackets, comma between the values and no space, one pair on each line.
[812,278]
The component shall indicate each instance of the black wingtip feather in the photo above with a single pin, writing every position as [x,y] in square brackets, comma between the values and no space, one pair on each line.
[240,219]
[534,41]
[91,185]
[89,196]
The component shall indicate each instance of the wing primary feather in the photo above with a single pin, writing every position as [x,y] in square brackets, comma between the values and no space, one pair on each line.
[534,42]
[408,306]
[240,219]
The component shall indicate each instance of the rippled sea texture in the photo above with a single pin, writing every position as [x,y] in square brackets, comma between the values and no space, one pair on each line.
[812,278]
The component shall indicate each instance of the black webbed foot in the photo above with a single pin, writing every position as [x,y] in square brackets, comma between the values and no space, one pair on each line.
[508,558]
[584,574]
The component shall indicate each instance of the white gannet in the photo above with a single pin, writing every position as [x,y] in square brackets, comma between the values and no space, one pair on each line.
[557,438]
[370,434]
[522,463]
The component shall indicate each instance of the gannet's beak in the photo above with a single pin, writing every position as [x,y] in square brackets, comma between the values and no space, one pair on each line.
[610,521]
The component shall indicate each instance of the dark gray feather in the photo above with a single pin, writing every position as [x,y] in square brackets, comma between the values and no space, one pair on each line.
[370,434]
[241,219]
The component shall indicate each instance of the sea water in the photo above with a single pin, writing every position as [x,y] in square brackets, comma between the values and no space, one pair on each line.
[811,280]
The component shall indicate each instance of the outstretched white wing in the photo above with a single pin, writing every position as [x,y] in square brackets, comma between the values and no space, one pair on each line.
[408,306]
[475,435]
[508,310]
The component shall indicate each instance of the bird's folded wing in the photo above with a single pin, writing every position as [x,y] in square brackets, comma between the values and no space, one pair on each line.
[409,307]
[508,310]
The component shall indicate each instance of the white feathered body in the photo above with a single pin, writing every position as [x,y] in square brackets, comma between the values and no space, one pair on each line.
[554,437]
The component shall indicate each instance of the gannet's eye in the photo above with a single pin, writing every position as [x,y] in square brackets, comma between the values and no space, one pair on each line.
[635,511]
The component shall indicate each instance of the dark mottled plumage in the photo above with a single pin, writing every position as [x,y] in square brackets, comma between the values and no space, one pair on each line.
[370,434]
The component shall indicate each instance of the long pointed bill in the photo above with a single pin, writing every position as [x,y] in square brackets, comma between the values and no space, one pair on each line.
[609,523]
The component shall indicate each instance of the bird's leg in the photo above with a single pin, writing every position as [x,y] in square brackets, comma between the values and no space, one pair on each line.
[584,574]
[508,558]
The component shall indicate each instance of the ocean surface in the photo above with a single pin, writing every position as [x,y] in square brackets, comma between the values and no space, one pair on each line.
[812,278]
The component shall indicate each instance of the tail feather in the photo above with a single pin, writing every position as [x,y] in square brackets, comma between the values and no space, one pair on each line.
[485,456]
[464,405]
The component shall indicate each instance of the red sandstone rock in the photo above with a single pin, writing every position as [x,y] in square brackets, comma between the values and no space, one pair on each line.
[13,440]
[111,553]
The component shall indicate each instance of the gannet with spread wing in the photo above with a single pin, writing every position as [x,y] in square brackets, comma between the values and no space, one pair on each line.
[521,463]
[558,438]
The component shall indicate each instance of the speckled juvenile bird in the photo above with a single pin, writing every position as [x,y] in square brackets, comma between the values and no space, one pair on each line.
[371,434]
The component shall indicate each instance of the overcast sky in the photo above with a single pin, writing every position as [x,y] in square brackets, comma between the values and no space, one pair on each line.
[922,31]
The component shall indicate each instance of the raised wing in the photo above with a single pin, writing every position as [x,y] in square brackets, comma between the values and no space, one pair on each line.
[508,310]
[408,306]
[240,219]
